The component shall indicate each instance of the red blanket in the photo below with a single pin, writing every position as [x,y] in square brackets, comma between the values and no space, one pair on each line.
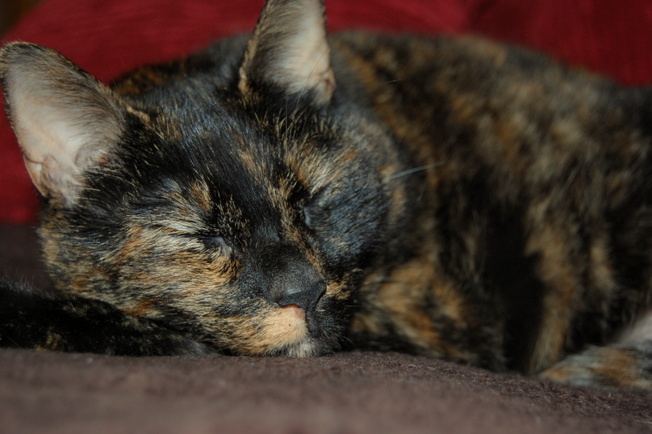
[110,37]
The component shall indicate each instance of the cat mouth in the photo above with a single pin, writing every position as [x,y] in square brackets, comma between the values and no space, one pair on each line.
[302,320]
[289,330]
[299,332]
[294,311]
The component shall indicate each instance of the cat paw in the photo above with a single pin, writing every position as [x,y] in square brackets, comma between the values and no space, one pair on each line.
[606,367]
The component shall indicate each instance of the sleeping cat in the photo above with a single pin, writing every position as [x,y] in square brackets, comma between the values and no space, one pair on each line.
[295,194]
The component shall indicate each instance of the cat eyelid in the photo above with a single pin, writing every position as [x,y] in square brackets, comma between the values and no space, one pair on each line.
[308,220]
[180,228]
[215,242]
[210,240]
[311,210]
[313,198]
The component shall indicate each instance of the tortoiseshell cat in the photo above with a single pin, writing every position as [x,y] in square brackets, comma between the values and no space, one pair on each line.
[293,194]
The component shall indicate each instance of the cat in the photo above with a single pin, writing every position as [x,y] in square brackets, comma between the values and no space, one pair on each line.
[293,193]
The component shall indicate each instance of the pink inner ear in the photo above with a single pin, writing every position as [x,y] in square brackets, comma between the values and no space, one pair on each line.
[61,117]
[35,171]
[42,150]
[48,140]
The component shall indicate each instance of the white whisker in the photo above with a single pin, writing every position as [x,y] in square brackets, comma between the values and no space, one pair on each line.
[415,170]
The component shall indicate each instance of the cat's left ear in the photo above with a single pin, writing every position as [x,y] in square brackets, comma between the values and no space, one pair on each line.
[288,47]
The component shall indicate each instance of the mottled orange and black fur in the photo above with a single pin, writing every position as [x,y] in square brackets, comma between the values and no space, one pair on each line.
[293,194]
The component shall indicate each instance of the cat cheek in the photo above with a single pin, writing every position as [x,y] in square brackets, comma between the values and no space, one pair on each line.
[286,326]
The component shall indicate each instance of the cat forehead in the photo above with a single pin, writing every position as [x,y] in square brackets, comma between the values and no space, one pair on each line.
[262,141]
[244,159]
[252,151]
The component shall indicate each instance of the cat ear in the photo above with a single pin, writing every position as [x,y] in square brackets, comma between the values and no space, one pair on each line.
[288,47]
[65,120]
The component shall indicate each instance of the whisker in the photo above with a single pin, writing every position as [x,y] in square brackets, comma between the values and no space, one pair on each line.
[415,170]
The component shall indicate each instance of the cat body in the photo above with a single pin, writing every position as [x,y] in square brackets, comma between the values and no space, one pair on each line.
[290,193]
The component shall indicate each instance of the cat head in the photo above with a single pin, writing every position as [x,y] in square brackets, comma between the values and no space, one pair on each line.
[243,201]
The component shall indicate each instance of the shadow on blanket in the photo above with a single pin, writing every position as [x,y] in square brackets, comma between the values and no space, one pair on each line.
[347,392]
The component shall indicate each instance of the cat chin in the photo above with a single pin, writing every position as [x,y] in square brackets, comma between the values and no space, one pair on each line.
[305,348]
[309,346]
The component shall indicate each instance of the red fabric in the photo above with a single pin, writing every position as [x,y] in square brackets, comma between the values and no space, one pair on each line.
[110,37]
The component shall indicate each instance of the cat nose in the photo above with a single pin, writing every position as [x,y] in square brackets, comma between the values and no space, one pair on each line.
[291,279]
[305,297]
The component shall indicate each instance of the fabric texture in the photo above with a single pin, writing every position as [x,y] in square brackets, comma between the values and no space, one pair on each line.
[343,393]
[111,37]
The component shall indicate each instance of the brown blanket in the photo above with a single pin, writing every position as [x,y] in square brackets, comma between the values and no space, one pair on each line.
[347,392]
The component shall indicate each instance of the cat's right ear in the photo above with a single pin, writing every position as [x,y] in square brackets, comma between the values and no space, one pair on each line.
[65,120]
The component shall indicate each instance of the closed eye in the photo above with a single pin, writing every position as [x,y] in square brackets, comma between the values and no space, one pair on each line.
[308,220]
[315,217]
[216,244]
[311,211]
